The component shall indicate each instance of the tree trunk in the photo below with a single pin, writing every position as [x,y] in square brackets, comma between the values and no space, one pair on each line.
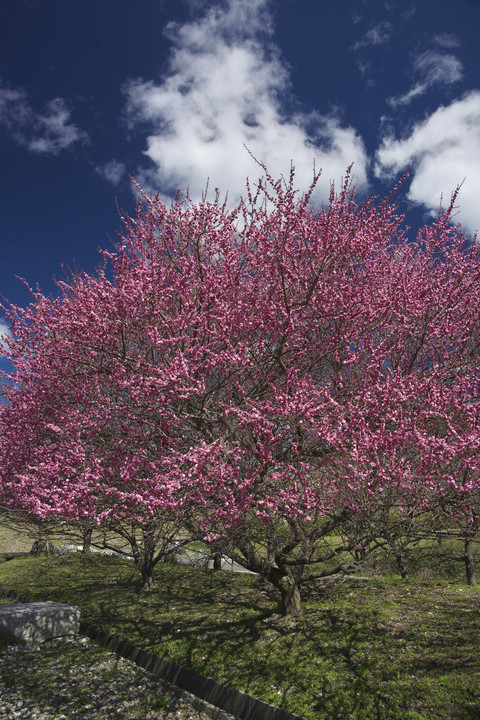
[290,603]
[145,560]
[87,540]
[280,576]
[468,558]
[217,561]
[402,565]
[42,547]
[147,577]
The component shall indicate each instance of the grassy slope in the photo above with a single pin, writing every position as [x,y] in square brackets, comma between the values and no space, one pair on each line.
[14,540]
[382,650]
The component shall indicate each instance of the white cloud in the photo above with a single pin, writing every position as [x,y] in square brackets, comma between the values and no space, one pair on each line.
[224,89]
[378,34]
[112,171]
[437,68]
[433,68]
[4,331]
[443,151]
[446,40]
[49,132]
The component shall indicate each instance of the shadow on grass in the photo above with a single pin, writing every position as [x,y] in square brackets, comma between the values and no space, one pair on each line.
[389,651]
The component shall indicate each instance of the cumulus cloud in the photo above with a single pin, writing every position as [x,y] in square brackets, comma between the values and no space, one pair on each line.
[112,171]
[226,87]
[433,68]
[443,151]
[47,132]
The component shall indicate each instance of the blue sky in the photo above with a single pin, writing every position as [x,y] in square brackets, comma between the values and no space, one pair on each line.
[95,91]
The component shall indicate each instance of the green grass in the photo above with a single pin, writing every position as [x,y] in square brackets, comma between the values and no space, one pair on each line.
[380,650]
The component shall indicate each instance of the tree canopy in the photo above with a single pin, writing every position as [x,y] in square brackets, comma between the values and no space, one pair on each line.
[273,371]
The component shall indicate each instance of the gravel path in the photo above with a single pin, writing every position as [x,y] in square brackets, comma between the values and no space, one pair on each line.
[75,679]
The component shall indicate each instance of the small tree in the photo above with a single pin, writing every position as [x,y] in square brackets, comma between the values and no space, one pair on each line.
[268,375]
[459,508]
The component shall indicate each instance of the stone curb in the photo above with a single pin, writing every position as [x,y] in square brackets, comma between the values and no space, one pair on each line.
[218,701]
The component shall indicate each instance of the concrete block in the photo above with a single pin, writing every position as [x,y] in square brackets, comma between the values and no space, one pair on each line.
[33,623]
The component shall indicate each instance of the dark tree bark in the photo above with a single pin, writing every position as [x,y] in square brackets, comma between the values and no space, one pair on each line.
[402,565]
[284,579]
[147,577]
[290,602]
[469,563]
[42,547]
[145,560]
[87,540]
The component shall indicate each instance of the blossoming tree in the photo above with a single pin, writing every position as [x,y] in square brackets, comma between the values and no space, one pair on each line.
[266,376]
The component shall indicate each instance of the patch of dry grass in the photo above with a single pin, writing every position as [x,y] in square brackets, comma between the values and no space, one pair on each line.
[12,540]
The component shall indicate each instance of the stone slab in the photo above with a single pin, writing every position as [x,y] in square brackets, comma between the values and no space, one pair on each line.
[33,623]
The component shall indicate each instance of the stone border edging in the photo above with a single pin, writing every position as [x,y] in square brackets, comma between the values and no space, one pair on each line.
[219,701]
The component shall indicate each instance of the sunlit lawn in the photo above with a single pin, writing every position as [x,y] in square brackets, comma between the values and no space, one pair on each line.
[377,649]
